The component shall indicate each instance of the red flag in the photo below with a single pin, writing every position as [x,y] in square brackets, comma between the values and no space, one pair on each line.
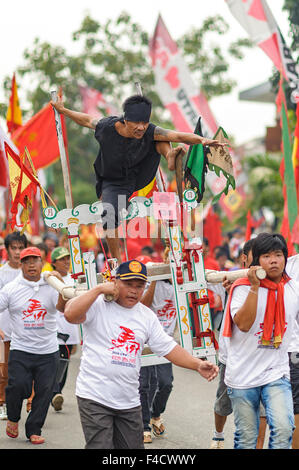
[212,230]
[248,226]
[39,136]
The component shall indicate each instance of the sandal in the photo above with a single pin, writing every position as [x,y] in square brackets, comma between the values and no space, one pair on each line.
[158,426]
[35,439]
[12,429]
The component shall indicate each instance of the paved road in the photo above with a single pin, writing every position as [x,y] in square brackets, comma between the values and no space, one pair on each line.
[188,417]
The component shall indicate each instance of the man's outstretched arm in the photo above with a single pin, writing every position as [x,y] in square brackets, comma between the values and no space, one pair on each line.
[83,119]
[180,357]
[188,138]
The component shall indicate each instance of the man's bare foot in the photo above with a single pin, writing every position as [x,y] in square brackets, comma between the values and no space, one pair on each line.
[171,156]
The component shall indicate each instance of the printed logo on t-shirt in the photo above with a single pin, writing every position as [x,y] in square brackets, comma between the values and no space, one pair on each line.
[35,314]
[167,313]
[260,334]
[125,348]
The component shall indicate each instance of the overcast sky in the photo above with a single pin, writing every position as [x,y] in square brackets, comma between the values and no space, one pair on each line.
[21,21]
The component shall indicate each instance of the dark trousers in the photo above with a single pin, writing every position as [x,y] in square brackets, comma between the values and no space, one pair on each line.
[23,369]
[63,365]
[109,428]
[4,372]
[115,198]
[155,386]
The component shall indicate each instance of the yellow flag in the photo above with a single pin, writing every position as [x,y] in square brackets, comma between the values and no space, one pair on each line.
[14,114]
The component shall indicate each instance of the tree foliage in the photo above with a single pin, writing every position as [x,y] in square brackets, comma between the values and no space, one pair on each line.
[110,57]
[265,183]
[292,7]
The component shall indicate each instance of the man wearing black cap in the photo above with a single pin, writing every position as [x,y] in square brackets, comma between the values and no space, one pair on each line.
[114,334]
[129,156]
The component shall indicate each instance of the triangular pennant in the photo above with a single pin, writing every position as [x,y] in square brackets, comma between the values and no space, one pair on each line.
[22,183]
[220,161]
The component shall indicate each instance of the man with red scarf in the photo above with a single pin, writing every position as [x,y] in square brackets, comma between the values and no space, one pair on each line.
[261,317]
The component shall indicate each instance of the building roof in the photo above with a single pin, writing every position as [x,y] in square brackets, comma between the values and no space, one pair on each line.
[261,93]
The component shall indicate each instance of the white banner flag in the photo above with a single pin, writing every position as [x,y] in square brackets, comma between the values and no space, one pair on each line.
[258,21]
[93,101]
[176,87]
[180,96]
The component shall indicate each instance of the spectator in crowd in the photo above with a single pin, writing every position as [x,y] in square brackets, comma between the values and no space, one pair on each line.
[43,247]
[156,382]
[14,244]
[51,240]
[222,406]
[33,356]
[68,334]
[261,317]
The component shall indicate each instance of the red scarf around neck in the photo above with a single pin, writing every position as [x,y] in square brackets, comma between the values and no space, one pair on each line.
[274,314]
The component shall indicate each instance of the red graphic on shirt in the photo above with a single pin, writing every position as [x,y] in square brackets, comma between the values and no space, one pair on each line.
[34,309]
[261,330]
[125,342]
[168,311]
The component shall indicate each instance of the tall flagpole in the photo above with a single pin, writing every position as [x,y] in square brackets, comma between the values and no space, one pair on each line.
[63,158]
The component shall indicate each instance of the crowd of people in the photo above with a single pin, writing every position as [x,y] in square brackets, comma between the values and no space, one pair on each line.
[121,402]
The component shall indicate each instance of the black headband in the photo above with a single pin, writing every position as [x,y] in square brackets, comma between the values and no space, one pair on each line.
[138,112]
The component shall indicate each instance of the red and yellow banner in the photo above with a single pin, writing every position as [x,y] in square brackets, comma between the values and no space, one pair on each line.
[40,138]
[14,114]
[22,183]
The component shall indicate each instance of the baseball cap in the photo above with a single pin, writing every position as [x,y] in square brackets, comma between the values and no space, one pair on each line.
[30,251]
[59,252]
[132,269]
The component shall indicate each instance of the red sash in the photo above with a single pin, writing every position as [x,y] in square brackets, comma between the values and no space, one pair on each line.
[274,314]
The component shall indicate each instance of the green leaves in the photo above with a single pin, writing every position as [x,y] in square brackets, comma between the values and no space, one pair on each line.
[265,183]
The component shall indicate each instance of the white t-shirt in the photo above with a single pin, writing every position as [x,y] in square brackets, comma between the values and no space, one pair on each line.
[63,325]
[222,341]
[32,309]
[113,339]
[249,363]
[292,269]
[164,306]
[7,274]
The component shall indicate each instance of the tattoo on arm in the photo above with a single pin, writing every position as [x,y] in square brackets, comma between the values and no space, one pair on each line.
[160,131]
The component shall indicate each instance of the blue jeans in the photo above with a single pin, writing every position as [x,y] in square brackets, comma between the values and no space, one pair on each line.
[277,399]
[155,385]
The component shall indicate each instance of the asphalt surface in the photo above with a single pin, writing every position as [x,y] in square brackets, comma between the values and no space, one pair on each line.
[189,417]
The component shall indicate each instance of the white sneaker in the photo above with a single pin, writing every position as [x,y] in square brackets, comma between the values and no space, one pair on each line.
[217,443]
[3,412]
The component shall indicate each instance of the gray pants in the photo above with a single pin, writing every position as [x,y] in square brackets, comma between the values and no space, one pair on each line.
[108,428]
